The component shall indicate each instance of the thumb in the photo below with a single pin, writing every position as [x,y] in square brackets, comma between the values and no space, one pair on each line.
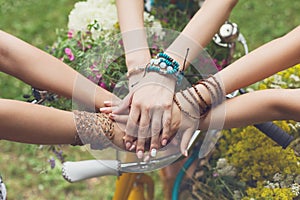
[187,134]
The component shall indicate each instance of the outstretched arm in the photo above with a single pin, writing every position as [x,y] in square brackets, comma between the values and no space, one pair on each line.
[37,124]
[41,70]
[258,107]
[263,62]
[273,57]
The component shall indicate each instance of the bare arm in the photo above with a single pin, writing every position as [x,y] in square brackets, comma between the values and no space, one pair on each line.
[273,57]
[37,124]
[131,20]
[44,71]
[260,106]
[263,62]
[201,28]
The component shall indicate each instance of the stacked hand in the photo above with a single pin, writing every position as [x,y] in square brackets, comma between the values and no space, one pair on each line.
[148,115]
[184,120]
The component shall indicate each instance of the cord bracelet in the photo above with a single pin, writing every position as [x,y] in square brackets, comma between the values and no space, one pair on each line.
[215,91]
[134,71]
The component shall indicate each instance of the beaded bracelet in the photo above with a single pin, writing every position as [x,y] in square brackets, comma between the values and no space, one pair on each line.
[166,65]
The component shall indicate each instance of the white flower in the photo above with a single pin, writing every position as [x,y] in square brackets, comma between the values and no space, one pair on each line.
[103,15]
[101,12]
[296,189]
[294,77]
[221,163]
[278,177]
[157,30]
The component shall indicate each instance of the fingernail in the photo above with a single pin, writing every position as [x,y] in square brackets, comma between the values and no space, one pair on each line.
[153,152]
[140,154]
[132,148]
[112,116]
[103,109]
[128,145]
[185,153]
[164,142]
[106,102]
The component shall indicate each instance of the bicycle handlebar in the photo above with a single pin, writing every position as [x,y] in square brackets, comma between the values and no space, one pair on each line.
[81,170]
[275,133]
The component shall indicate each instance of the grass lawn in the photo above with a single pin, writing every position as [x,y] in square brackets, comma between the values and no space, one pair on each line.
[24,167]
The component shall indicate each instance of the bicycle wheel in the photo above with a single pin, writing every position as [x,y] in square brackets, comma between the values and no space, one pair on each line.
[190,182]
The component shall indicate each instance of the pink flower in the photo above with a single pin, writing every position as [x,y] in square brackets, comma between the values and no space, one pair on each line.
[215,174]
[98,76]
[69,53]
[103,85]
[70,34]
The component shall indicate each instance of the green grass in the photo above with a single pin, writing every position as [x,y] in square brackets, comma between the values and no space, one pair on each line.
[262,21]
[34,21]
[24,167]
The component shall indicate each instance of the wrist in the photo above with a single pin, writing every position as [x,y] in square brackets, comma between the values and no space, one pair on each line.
[153,78]
[136,59]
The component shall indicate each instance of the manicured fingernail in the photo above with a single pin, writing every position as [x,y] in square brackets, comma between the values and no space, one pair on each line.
[128,145]
[103,109]
[112,116]
[164,142]
[140,154]
[106,102]
[185,153]
[153,153]
[132,148]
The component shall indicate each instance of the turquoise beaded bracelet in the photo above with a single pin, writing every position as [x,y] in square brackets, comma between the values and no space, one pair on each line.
[166,65]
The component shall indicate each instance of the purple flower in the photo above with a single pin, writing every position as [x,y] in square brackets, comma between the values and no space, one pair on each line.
[52,162]
[112,85]
[70,54]
[92,66]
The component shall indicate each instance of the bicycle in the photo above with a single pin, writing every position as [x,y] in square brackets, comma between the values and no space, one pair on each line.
[132,185]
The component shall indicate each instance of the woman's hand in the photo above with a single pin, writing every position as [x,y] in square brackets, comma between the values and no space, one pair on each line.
[150,109]
[186,118]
